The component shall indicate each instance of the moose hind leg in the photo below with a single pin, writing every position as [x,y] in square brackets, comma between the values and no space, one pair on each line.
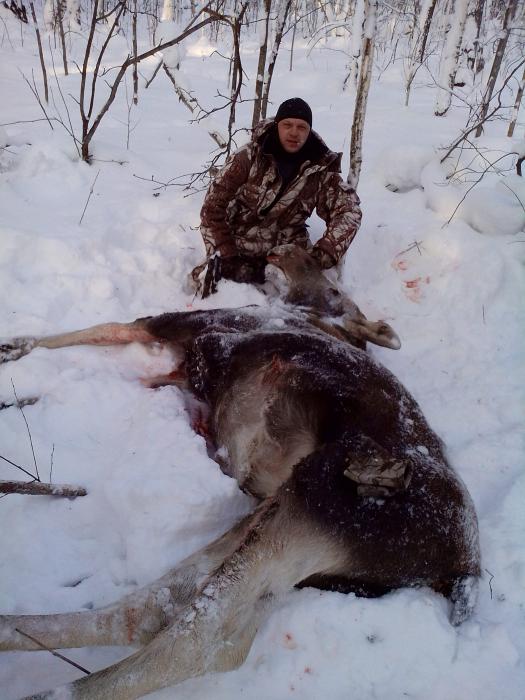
[215,632]
[139,616]
[463,598]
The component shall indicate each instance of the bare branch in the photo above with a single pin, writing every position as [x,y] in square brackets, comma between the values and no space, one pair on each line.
[20,408]
[40,488]
[17,466]
[52,651]
[89,197]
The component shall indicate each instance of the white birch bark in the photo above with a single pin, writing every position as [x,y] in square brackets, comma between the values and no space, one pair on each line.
[72,14]
[450,58]
[365,75]
[282,16]
[516,108]
[496,64]
[473,48]
[168,11]
[49,14]
[355,44]
[261,65]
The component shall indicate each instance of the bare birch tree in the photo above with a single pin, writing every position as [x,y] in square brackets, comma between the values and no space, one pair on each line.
[473,48]
[455,20]
[496,64]
[514,117]
[282,16]
[261,64]
[419,43]
[365,75]
[355,44]
[40,52]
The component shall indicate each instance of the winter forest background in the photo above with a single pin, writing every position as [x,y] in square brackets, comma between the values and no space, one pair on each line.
[113,117]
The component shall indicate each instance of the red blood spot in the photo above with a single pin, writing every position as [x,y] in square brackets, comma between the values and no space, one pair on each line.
[412,283]
[307,669]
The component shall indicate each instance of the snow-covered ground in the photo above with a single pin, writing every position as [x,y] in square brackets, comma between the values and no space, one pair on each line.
[455,294]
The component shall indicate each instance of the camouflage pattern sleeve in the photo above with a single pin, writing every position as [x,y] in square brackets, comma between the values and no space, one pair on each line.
[214,228]
[338,205]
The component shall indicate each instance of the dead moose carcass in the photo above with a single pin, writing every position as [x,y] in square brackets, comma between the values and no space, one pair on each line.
[357,494]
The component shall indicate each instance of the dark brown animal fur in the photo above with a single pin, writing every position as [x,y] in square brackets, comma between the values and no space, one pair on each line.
[307,403]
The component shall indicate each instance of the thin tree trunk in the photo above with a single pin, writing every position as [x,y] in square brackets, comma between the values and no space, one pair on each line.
[40,52]
[450,59]
[263,50]
[356,46]
[356,145]
[60,21]
[281,21]
[496,65]
[475,60]
[134,40]
[420,47]
[516,108]
[293,41]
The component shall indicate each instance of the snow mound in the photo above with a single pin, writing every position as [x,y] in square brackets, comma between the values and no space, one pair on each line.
[497,208]
[401,166]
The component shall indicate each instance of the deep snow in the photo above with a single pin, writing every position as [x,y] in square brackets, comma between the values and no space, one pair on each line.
[456,298]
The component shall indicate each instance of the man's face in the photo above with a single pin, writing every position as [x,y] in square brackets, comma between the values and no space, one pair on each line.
[293,134]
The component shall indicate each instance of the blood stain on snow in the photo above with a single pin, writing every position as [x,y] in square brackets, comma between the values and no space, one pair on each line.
[289,642]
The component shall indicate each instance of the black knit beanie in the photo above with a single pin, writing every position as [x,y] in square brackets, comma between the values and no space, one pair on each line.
[294,108]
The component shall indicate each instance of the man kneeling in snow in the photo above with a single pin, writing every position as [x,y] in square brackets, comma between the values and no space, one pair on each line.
[266,192]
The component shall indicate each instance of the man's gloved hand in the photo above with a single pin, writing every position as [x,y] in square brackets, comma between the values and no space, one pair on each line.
[242,268]
[212,276]
[238,268]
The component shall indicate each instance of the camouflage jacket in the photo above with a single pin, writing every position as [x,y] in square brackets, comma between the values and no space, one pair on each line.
[245,212]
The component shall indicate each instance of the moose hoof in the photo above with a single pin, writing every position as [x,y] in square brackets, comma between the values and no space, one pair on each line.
[16,348]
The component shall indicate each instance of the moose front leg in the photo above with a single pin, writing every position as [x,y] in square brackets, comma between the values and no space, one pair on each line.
[103,334]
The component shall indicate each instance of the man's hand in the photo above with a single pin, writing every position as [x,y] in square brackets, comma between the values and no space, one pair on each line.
[238,268]
[241,268]
[212,276]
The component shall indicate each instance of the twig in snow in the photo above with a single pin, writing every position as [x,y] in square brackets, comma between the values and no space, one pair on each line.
[37,97]
[413,245]
[51,464]
[52,651]
[40,488]
[70,130]
[89,197]
[19,405]
[17,467]
[490,581]
[514,193]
